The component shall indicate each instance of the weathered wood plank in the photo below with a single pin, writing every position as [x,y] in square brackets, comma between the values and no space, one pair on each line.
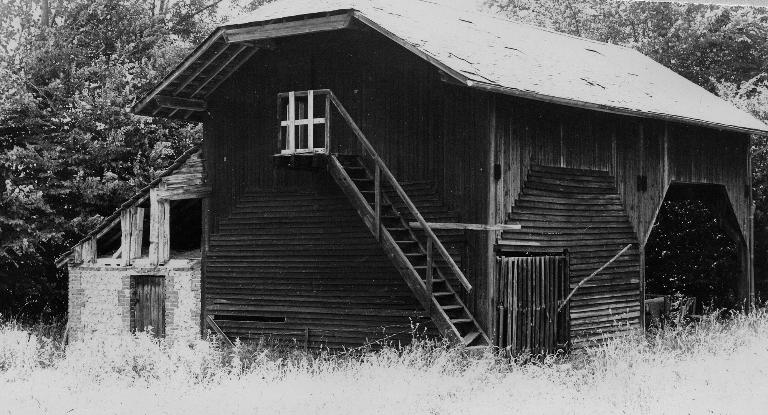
[181,103]
[465,226]
[291,28]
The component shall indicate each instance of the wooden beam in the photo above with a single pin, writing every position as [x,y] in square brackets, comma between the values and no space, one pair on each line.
[222,67]
[582,282]
[466,226]
[187,192]
[183,66]
[126,220]
[159,229]
[77,254]
[89,251]
[218,330]
[178,103]
[200,69]
[298,27]
[137,231]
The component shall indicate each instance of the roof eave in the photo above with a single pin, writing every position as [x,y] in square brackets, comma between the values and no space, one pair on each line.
[610,109]
[233,32]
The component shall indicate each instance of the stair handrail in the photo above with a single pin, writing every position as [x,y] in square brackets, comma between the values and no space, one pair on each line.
[398,189]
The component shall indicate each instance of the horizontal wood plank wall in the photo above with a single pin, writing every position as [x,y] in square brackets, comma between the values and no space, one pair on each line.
[292,263]
[424,129]
[553,135]
[534,133]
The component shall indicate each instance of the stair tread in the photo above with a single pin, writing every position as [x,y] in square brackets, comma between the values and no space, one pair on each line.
[569,170]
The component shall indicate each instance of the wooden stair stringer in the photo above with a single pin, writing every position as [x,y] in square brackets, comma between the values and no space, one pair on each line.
[399,259]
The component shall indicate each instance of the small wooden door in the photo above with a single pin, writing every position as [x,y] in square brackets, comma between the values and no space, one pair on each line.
[148,304]
[530,290]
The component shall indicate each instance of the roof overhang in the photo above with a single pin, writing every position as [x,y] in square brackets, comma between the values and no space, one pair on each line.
[183,93]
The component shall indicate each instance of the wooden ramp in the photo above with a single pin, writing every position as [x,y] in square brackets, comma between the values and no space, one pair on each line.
[580,211]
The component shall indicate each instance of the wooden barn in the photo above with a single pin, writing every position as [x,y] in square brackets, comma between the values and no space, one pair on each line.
[373,167]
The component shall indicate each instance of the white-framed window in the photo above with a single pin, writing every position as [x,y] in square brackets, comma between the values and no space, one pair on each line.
[303,121]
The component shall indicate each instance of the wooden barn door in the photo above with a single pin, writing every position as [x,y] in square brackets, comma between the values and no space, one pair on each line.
[530,290]
[148,304]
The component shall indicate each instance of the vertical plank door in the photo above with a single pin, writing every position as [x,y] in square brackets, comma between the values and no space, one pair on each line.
[530,291]
[148,304]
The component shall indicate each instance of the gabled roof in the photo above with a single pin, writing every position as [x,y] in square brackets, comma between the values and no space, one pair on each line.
[476,49]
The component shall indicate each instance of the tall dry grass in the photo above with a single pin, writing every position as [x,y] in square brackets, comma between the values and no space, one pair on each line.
[719,365]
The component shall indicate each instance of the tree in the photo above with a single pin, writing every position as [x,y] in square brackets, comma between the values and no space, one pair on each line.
[71,149]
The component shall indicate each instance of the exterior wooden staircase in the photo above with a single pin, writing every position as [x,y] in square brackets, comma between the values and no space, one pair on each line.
[424,274]
[419,255]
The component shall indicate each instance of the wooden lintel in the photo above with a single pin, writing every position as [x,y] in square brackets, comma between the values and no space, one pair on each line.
[466,226]
[186,192]
[298,27]
[179,103]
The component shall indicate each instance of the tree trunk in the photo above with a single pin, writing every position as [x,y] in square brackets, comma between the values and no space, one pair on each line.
[45,13]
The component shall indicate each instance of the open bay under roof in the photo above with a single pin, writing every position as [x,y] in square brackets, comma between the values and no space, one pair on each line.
[475,49]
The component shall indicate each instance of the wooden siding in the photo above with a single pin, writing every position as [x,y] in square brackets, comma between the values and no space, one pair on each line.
[580,211]
[532,133]
[424,129]
[304,255]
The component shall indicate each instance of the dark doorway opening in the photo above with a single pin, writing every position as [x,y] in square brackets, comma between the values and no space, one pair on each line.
[186,228]
[694,256]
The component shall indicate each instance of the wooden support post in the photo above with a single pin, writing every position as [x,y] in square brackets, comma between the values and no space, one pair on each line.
[137,231]
[77,254]
[377,195]
[126,220]
[328,123]
[159,229]
[430,266]
[153,227]
[88,252]
[164,240]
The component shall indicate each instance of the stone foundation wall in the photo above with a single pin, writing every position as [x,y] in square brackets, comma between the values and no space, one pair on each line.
[100,297]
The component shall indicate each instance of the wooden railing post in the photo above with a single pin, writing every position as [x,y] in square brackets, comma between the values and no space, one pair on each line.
[327,123]
[430,266]
[377,195]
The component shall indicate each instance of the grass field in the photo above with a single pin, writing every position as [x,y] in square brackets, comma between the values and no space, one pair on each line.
[717,366]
